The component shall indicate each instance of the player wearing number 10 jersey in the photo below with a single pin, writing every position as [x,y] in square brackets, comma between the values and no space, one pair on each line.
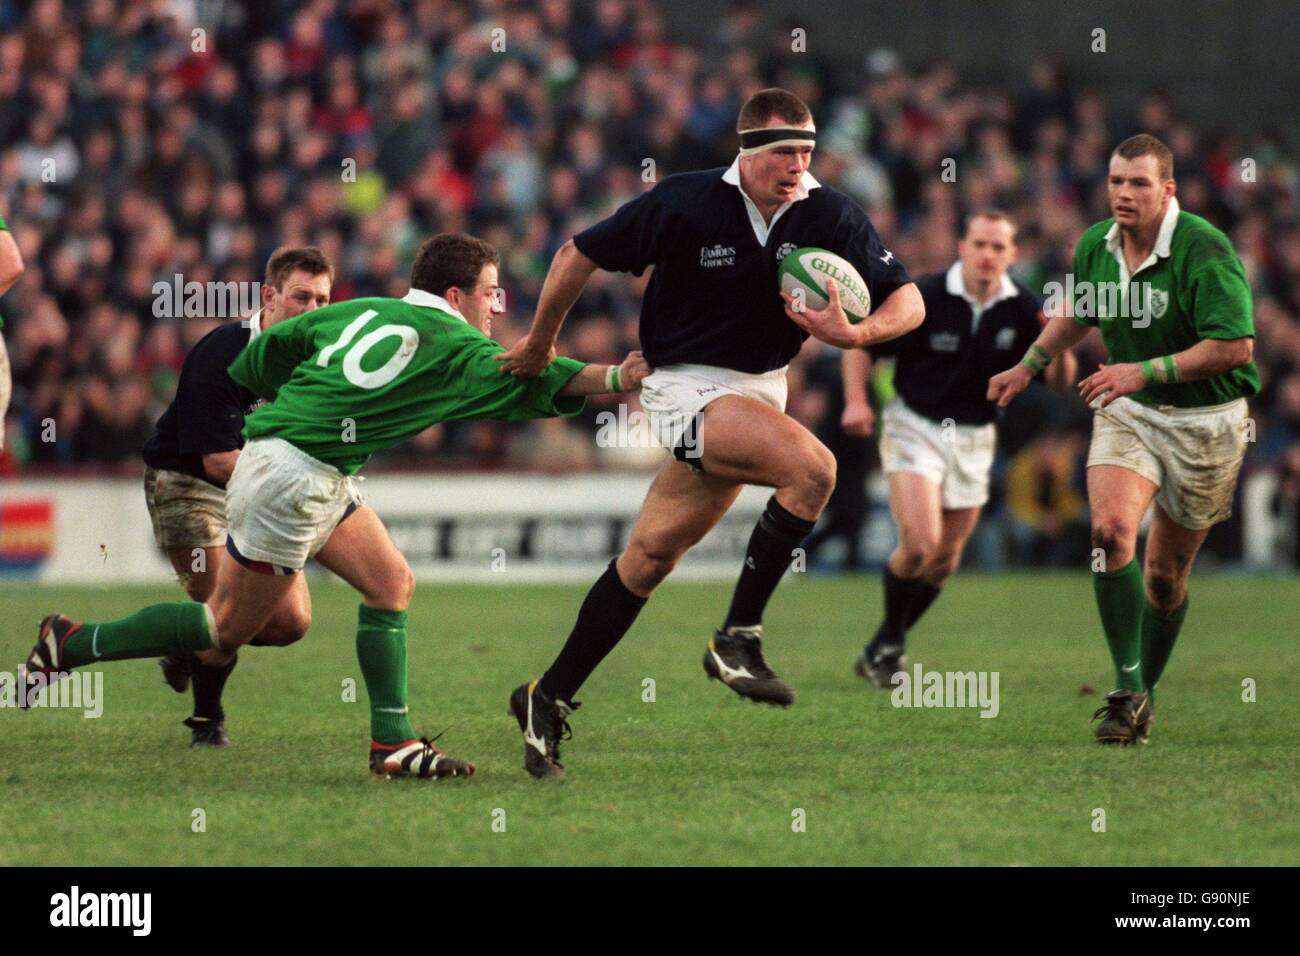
[343,382]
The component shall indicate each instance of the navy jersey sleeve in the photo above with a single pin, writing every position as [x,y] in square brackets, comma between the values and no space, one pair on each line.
[633,238]
[209,405]
[856,240]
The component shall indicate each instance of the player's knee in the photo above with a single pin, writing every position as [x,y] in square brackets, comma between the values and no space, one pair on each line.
[394,591]
[648,564]
[1114,537]
[404,587]
[288,628]
[816,473]
[942,566]
[1166,584]
[917,551]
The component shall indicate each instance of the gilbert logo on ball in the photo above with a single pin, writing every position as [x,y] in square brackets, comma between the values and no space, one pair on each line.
[808,269]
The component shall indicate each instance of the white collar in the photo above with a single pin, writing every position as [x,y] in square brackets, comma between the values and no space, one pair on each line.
[428,300]
[1164,238]
[254,325]
[956,285]
[761,228]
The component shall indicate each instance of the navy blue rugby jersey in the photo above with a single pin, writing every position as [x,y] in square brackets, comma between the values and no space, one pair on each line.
[207,414]
[943,366]
[713,297]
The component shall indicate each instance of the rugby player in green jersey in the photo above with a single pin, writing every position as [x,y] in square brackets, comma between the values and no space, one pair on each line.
[1171,299]
[343,382]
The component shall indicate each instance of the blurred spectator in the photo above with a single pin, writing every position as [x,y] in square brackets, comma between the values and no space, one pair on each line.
[1048,512]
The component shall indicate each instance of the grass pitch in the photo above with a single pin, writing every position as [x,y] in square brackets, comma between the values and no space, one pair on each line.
[698,776]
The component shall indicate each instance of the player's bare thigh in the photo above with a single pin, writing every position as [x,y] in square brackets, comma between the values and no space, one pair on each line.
[914,501]
[1171,551]
[745,441]
[197,569]
[1117,497]
[361,552]
[680,508]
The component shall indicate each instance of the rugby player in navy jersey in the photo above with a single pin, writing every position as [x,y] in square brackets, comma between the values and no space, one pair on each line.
[717,333]
[939,433]
[189,458]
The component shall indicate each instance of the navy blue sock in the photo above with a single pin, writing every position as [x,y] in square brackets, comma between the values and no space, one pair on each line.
[901,594]
[606,614]
[208,685]
[770,552]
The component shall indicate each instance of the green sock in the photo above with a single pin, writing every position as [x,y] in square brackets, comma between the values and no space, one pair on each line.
[1121,599]
[1159,631]
[154,631]
[381,649]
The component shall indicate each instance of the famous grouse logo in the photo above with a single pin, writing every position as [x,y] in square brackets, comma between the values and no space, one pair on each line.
[713,257]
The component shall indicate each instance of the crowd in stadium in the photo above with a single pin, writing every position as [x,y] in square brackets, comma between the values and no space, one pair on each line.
[133,150]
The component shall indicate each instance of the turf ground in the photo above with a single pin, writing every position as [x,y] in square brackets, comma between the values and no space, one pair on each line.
[698,776]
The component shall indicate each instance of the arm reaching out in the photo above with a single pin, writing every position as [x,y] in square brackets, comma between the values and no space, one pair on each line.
[1060,334]
[605,379]
[569,272]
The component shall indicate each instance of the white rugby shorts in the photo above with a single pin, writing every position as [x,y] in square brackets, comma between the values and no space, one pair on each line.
[1193,455]
[956,457]
[673,397]
[282,504]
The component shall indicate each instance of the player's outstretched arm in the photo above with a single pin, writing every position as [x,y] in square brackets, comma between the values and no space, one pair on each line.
[902,311]
[604,379]
[858,419]
[569,272]
[1059,335]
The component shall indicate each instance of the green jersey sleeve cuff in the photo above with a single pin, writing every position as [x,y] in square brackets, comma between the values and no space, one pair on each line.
[556,376]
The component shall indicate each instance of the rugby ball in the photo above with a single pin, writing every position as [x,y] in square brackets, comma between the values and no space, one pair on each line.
[808,268]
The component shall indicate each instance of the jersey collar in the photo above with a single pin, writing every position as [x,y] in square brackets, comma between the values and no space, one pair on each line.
[763,229]
[427,300]
[1164,240]
[956,284]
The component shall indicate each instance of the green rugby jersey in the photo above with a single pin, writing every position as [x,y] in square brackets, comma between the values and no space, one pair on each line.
[350,379]
[1193,287]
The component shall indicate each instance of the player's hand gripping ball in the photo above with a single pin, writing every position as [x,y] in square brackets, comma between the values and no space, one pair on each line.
[803,274]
